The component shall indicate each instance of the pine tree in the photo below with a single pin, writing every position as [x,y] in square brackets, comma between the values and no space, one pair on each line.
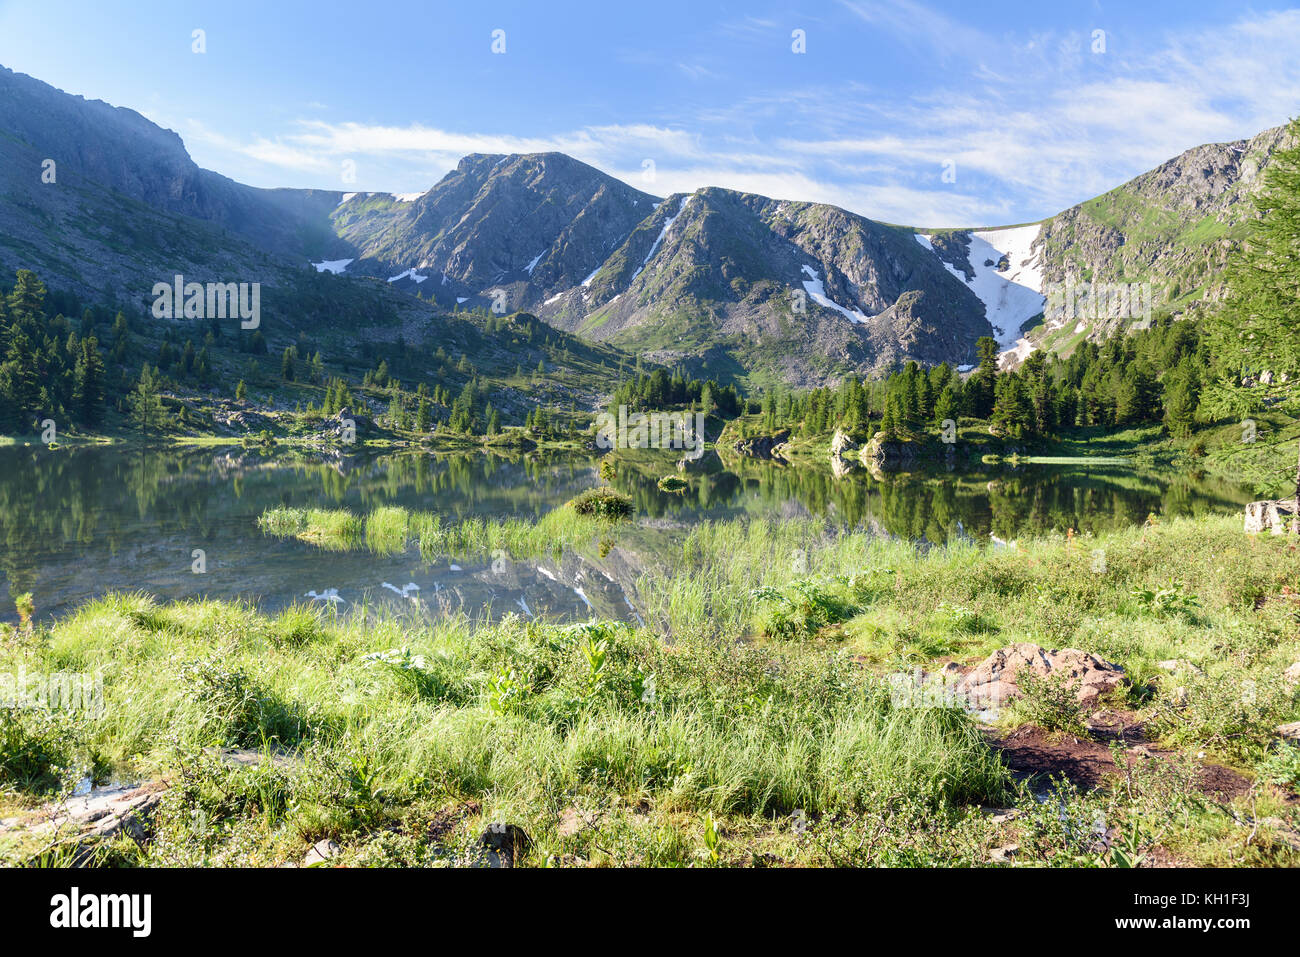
[147,413]
[1257,327]
[979,390]
[88,388]
[1182,392]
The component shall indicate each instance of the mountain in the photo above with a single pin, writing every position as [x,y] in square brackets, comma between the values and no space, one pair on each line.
[1173,227]
[724,283]
[527,225]
[802,291]
[127,207]
[728,284]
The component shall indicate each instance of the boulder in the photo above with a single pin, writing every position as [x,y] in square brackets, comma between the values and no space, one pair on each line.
[993,682]
[1292,675]
[1290,732]
[505,844]
[320,852]
[1277,516]
[889,455]
[842,443]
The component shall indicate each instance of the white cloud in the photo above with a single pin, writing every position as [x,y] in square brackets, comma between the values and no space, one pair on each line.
[1033,124]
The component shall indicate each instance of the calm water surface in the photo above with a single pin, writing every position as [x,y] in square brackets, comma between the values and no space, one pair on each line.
[78,522]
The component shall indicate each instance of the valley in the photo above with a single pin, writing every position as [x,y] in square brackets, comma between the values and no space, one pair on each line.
[537,520]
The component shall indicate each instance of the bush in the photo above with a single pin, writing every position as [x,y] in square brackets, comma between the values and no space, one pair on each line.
[1049,703]
[603,503]
[36,749]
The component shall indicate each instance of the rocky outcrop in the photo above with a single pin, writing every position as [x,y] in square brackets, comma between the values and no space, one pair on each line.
[889,455]
[1277,517]
[842,443]
[994,681]
[842,449]
[763,446]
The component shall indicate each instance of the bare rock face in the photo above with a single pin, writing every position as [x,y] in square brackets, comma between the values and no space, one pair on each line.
[1278,516]
[889,455]
[841,443]
[993,682]
[842,447]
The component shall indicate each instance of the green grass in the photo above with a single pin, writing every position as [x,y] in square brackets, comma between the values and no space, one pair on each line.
[766,712]
[390,530]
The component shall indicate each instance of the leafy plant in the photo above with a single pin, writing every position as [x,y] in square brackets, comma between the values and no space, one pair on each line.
[504,691]
[712,842]
[26,608]
[1167,600]
[1050,703]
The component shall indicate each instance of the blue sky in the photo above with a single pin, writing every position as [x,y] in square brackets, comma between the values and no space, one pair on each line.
[1009,97]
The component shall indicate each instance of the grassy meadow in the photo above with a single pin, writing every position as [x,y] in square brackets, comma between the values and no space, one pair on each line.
[750,723]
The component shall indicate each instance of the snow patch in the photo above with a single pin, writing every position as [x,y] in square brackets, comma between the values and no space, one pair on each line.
[409,274]
[533,265]
[335,266]
[460,299]
[1010,297]
[587,281]
[816,290]
[407,197]
[558,295]
[346,197]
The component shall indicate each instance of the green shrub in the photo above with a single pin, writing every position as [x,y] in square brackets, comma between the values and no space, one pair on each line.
[1050,703]
[37,749]
[603,503]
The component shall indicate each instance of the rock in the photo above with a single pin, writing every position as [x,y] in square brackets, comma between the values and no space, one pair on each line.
[841,443]
[1292,675]
[993,682]
[320,852]
[1277,516]
[763,446]
[344,424]
[1291,732]
[82,821]
[1001,855]
[505,844]
[573,821]
[1173,665]
[889,455]
[1000,815]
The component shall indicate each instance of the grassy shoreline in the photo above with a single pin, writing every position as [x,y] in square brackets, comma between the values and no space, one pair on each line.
[763,733]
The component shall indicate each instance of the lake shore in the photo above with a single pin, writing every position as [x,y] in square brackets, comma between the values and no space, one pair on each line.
[752,722]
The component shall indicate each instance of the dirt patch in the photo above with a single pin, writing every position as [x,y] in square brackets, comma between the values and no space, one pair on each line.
[1031,753]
